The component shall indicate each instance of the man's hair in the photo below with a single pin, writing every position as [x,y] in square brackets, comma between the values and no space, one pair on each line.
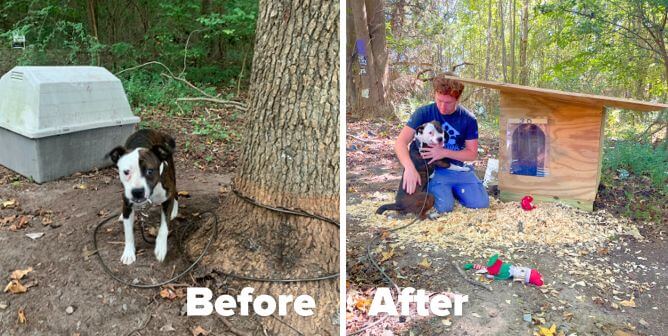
[447,86]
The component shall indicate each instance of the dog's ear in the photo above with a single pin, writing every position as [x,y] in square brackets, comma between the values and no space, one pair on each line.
[116,153]
[170,143]
[420,129]
[437,125]
[163,151]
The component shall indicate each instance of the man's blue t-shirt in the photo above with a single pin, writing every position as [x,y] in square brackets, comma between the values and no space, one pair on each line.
[460,125]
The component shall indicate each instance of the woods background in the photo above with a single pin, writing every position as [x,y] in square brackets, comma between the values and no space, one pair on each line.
[614,48]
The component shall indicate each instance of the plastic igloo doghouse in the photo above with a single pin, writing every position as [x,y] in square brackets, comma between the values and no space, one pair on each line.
[58,120]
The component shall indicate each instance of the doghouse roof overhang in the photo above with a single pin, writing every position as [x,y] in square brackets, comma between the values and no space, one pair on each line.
[580,98]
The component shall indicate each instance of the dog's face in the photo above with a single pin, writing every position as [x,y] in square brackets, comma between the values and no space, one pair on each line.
[139,170]
[430,133]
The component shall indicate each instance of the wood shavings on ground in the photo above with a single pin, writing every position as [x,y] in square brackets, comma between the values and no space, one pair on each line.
[358,302]
[502,226]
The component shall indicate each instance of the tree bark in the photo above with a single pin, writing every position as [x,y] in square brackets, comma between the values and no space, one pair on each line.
[91,6]
[290,159]
[376,16]
[371,102]
[489,39]
[512,41]
[353,84]
[397,18]
[502,37]
[524,71]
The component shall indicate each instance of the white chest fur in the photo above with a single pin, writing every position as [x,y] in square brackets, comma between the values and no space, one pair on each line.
[159,194]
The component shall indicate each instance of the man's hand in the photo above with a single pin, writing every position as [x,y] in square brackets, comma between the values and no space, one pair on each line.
[411,180]
[434,153]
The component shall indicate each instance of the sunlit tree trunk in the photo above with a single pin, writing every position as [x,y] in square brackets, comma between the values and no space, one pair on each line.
[502,37]
[290,159]
[524,71]
[370,61]
[512,41]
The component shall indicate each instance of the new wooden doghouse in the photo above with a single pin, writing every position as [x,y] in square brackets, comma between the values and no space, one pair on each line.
[551,143]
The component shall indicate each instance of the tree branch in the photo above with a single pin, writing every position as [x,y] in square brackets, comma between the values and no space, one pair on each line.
[237,105]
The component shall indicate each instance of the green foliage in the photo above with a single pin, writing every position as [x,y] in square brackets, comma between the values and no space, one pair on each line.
[206,45]
[150,89]
[211,128]
[640,160]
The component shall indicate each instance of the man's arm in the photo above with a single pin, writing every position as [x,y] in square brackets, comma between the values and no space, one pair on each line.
[411,176]
[469,153]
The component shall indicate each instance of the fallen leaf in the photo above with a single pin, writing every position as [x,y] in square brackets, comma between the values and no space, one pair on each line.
[167,327]
[167,293]
[7,220]
[568,316]
[35,235]
[542,331]
[199,331]
[184,194]
[180,293]
[23,222]
[47,220]
[22,316]
[387,255]
[363,304]
[538,320]
[629,303]
[19,274]
[425,263]
[81,186]
[15,287]
[9,204]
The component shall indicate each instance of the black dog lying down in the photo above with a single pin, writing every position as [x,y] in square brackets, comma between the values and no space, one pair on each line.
[420,202]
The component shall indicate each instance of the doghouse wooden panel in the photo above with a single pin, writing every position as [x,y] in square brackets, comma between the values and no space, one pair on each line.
[574,147]
[578,98]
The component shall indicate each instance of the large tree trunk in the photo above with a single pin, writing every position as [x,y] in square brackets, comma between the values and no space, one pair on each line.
[290,159]
[370,60]
[376,16]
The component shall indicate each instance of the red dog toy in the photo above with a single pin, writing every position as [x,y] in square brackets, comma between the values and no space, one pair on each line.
[527,204]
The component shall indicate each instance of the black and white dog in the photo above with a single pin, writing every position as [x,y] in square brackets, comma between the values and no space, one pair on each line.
[146,169]
[420,202]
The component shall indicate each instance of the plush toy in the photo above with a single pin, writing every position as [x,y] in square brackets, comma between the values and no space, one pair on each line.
[498,270]
[527,203]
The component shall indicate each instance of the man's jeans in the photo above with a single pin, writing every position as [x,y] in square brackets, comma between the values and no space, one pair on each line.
[448,185]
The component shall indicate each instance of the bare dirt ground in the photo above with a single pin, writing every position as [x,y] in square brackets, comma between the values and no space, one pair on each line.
[617,286]
[67,291]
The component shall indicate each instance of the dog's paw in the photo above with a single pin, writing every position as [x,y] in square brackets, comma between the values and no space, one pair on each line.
[160,249]
[128,256]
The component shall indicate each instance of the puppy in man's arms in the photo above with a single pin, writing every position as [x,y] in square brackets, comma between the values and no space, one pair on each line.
[420,202]
[146,169]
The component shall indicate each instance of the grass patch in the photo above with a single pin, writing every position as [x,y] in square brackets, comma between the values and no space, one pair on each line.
[625,158]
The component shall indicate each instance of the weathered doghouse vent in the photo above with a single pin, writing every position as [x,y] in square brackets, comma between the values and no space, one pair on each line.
[55,121]
[16,75]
